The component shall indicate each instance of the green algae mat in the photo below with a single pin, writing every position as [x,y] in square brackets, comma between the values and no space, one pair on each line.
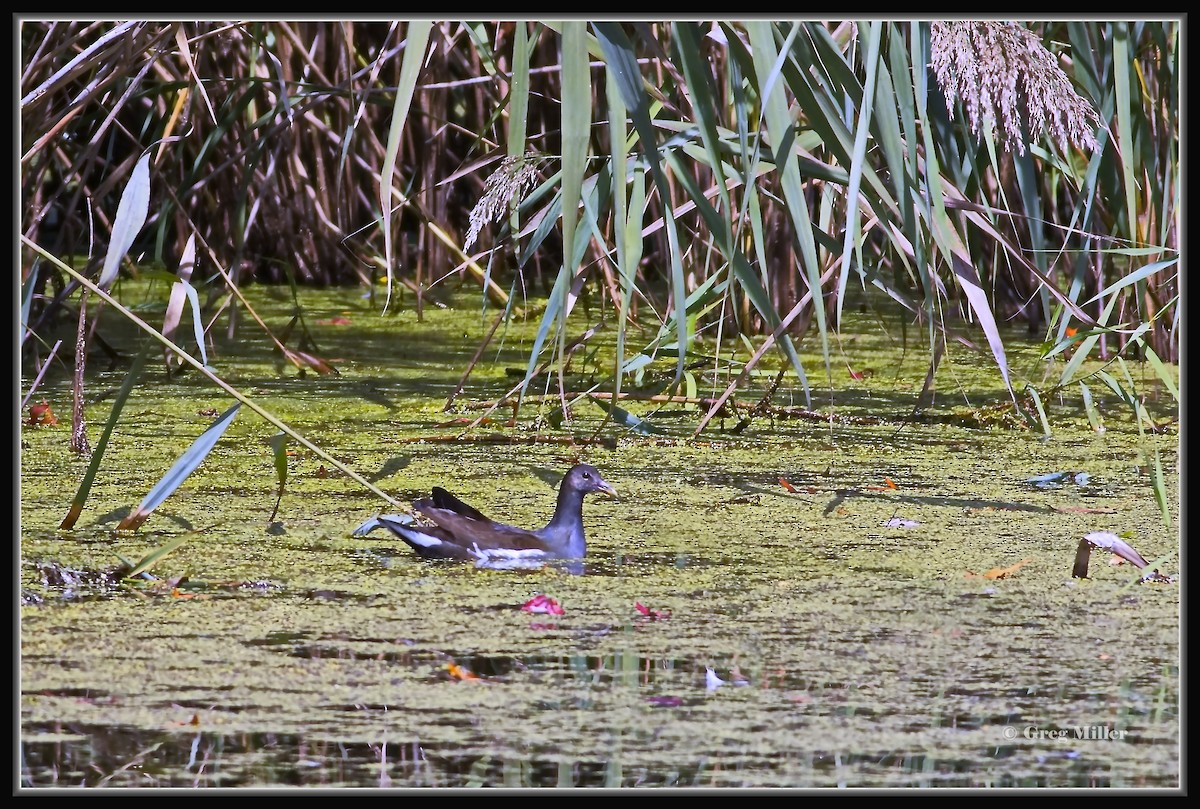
[872,600]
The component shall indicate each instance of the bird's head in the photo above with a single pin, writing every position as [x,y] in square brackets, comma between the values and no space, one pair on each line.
[586,478]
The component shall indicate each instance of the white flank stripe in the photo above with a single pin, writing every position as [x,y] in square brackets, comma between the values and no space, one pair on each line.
[506,559]
[424,540]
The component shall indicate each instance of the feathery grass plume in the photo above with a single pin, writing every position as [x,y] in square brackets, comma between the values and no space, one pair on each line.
[999,69]
[515,173]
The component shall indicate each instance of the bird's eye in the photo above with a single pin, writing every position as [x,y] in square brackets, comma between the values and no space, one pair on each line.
[587,475]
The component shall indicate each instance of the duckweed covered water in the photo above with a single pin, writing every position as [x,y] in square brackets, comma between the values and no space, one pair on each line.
[848,652]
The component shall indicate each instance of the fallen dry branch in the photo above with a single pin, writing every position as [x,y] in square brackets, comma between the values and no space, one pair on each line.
[657,398]
[504,438]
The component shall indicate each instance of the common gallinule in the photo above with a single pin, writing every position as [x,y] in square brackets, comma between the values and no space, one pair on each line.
[447,528]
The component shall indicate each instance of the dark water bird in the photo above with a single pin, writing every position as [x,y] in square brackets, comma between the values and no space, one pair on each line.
[445,527]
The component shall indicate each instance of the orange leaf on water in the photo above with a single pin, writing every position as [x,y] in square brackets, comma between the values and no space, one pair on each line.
[460,673]
[41,415]
[789,487]
[1004,572]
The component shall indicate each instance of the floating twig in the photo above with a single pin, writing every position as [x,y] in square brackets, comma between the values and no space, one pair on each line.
[38,379]
[496,438]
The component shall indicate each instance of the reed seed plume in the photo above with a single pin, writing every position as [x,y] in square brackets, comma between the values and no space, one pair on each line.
[1000,70]
[514,175]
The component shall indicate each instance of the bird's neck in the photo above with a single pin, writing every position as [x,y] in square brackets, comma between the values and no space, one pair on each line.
[565,529]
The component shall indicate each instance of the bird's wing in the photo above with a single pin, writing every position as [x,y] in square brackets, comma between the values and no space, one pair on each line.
[427,540]
[467,531]
[444,500]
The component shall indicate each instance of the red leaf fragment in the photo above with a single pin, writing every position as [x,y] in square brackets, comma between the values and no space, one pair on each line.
[542,604]
[654,615]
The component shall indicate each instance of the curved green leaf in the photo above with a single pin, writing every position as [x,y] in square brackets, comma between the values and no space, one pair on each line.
[622,61]
[576,127]
[626,419]
[131,216]
[853,240]
[414,54]
[518,102]
[178,473]
[279,450]
[152,558]
[1133,278]
[85,485]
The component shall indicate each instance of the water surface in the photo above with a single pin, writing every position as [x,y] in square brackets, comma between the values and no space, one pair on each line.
[852,653]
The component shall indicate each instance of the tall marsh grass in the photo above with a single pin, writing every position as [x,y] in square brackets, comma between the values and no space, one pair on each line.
[730,178]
